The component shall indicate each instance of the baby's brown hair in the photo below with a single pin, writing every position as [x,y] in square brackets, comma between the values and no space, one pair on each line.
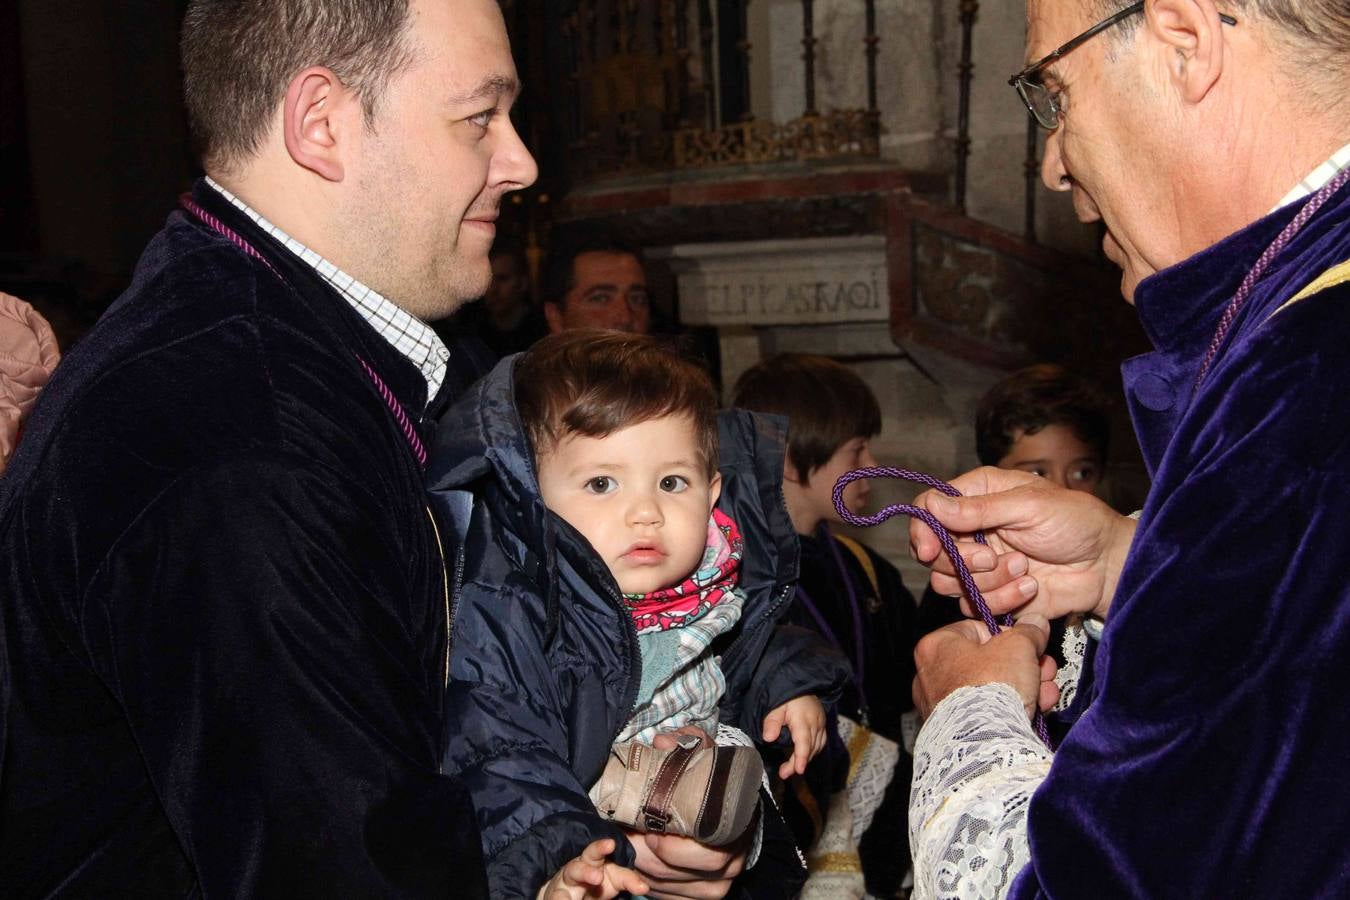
[593,383]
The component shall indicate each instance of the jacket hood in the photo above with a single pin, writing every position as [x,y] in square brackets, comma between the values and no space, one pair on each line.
[480,446]
[750,458]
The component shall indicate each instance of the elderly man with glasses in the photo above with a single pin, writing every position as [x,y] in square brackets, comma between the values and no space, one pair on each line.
[1212,732]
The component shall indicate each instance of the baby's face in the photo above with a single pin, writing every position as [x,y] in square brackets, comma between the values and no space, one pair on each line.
[640,495]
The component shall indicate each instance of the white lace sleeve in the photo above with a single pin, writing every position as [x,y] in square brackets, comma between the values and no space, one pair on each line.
[976,764]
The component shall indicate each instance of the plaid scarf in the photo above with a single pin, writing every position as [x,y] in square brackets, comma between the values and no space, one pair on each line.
[709,585]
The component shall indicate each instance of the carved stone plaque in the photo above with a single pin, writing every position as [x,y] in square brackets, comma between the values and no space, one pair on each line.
[797,282]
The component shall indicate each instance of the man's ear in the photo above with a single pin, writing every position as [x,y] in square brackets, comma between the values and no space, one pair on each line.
[1193,39]
[319,113]
[790,473]
[553,314]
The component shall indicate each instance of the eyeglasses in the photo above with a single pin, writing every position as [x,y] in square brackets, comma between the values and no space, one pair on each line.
[1041,102]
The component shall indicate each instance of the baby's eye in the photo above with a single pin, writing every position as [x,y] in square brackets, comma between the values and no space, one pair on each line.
[1085,473]
[673,484]
[600,484]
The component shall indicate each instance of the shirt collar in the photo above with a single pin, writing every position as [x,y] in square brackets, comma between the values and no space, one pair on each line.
[1318,177]
[409,335]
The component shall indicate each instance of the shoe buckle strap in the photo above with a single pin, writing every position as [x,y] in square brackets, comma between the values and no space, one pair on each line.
[656,811]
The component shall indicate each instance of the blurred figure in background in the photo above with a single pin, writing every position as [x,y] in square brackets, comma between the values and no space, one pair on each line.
[28,354]
[855,599]
[506,318]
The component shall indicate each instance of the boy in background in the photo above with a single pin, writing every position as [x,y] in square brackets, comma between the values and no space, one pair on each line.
[847,592]
[1048,421]
[623,570]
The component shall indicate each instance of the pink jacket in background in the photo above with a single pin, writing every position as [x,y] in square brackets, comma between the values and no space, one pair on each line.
[28,354]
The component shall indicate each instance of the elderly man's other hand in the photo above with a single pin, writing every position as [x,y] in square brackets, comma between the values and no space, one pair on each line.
[965,655]
[1051,550]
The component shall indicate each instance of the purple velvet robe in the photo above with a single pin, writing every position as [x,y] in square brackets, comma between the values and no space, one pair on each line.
[1213,759]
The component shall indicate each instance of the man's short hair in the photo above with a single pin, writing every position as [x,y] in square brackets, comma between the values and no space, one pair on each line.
[1319,26]
[826,403]
[1032,398]
[592,383]
[560,271]
[240,55]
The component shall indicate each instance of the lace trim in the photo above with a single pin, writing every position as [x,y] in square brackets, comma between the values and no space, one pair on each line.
[1075,650]
[976,764]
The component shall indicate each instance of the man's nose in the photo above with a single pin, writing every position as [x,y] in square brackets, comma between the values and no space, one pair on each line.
[513,165]
[1053,173]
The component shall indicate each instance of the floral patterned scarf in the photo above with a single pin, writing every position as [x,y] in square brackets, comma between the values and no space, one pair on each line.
[709,585]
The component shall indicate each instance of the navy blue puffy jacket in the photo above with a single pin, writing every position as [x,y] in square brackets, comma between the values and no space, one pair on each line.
[545,661]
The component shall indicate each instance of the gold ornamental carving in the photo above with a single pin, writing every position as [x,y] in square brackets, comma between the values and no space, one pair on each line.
[817,136]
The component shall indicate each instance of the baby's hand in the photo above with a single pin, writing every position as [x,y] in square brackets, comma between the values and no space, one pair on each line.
[805,719]
[591,875]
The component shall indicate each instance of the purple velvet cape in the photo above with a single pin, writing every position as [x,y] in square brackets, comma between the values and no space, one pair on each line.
[1212,761]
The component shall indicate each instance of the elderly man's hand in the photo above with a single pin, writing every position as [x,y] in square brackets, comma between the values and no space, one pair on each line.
[1051,550]
[965,654]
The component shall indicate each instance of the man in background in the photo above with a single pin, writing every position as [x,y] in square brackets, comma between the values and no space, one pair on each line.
[506,319]
[596,281]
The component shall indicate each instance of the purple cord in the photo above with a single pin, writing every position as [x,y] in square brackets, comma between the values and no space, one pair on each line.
[1263,262]
[943,536]
[409,433]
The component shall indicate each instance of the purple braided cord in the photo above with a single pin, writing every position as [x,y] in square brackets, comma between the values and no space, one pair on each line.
[225,231]
[1263,262]
[944,537]
[397,409]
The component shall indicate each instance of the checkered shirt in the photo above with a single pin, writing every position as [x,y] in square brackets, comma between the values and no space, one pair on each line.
[694,690]
[409,335]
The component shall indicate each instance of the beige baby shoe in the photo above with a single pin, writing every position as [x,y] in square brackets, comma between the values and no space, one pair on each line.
[710,794]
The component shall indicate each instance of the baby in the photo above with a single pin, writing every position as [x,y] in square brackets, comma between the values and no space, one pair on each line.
[618,584]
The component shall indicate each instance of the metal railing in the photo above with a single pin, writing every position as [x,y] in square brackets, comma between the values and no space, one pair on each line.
[666,84]
[969,12]
[658,85]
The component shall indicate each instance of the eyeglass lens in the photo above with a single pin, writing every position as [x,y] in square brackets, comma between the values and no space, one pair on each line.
[1039,102]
